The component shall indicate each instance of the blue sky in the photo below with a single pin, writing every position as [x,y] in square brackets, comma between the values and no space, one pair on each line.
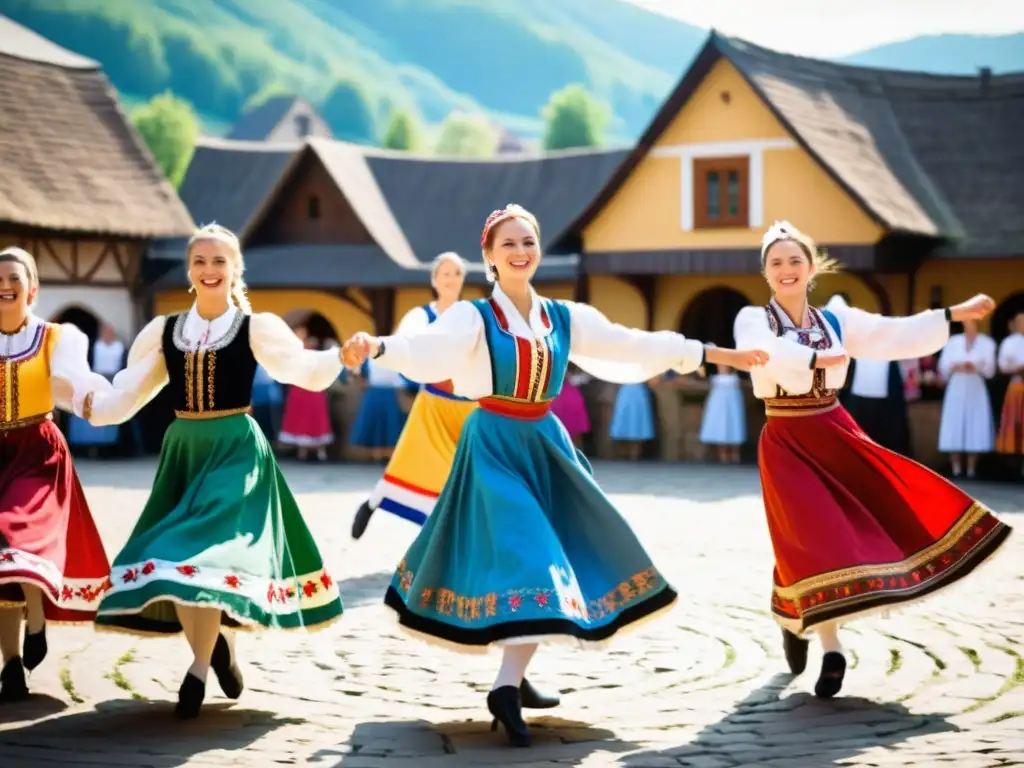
[839,27]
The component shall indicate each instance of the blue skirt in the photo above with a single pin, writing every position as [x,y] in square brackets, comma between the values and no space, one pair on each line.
[523,545]
[82,433]
[633,417]
[380,419]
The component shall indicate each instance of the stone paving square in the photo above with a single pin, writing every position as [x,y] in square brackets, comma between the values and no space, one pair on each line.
[939,684]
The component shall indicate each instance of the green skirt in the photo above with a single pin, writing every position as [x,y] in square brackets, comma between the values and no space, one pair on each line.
[222,530]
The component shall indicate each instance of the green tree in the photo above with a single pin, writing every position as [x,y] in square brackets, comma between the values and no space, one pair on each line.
[348,110]
[403,131]
[574,118]
[169,127]
[466,135]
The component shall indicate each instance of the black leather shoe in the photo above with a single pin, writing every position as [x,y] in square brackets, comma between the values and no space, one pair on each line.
[363,515]
[34,649]
[229,676]
[505,706]
[531,698]
[795,649]
[190,697]
[12,682]
[833,670]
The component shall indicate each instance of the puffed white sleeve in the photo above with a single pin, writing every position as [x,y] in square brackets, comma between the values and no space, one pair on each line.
[439,352]
[276,347]
[414,321]
[752,331]
[1008,361]
[69,368]
[947,359]
[115,402]
[987,367]
[877,337]
[622,355]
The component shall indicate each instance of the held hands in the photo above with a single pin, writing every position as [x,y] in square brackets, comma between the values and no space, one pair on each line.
[741,359]
[973,309]
[358,348]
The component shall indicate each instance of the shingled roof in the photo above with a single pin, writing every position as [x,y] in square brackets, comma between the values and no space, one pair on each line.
[414,207]
[932,155]
[71,160]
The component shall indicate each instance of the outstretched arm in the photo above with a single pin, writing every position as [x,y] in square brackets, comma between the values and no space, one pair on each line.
[276,347]
[118,401]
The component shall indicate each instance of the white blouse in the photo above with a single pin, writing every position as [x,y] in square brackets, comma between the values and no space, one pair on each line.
[982,354]
[69,361]
[454,347]
[274,345]
[865,335]
[1011,354]
[107,357]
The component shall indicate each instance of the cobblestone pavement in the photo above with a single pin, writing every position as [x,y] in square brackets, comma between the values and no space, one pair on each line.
[703,686]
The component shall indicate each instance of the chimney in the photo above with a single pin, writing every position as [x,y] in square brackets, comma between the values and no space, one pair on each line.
[985,77]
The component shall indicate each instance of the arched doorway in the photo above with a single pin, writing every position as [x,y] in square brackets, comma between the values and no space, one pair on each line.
[82,319]
[711,314]
[317,326]
[1008,309]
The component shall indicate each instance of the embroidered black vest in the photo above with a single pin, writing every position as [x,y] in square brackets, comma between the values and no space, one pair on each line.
[217,378]
[818,340]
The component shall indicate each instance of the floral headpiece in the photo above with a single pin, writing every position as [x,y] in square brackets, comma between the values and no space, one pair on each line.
[780,230]
[510,211]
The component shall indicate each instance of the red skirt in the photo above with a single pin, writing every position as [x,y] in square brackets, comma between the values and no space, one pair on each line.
[1011,425]
[47,534]
[857,528]
[307,420]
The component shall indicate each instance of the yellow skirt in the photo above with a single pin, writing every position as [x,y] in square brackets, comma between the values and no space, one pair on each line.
[423,458]
[1011,426]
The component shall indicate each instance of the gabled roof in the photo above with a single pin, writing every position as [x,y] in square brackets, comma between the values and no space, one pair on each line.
[258,123]
[932,155]
[70,159]
[414,207]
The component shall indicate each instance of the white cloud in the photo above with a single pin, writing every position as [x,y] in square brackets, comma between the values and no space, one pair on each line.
[838,27]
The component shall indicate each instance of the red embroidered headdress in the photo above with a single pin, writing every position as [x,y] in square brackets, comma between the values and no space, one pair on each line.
[510,211]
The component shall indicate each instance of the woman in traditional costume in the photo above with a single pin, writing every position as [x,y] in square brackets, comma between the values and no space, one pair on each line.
[633,418]
[52,563]
[380,418]
[423,457]
[966,428]
[856,528]
[523,547]
[306,424]
[724,418]
[221,543]
[570,406]
[1011,363]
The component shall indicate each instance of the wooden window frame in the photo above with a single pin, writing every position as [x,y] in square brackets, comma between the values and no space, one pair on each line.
[702,166]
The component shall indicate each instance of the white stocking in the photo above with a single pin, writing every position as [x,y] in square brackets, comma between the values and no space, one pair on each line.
[514,661]
[828,634]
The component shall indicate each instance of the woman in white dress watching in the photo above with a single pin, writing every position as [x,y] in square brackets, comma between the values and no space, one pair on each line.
[966,428]
[724,421]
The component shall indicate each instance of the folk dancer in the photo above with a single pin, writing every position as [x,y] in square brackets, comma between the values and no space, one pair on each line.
[1011,363]
[419,467]
[52,563]
[523,547]
[966,427]
[221,542]
[855,527]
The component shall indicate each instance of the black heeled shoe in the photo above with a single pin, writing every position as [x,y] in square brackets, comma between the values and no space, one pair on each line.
[531,698]
[504,704]
[363,515]
[795,649]
[34,649]
[190,697]
[12,682]
[833,670]
[229,676]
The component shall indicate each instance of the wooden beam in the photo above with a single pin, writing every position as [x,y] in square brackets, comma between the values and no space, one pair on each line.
[348,297]
[646,285]
[876,287]
[383,311]
[107,247]
[67,270]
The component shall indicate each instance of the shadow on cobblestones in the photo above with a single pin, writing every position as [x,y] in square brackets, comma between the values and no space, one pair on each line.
[368,589]
[39,705]
[795,732]
[472,740]
[138,733]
